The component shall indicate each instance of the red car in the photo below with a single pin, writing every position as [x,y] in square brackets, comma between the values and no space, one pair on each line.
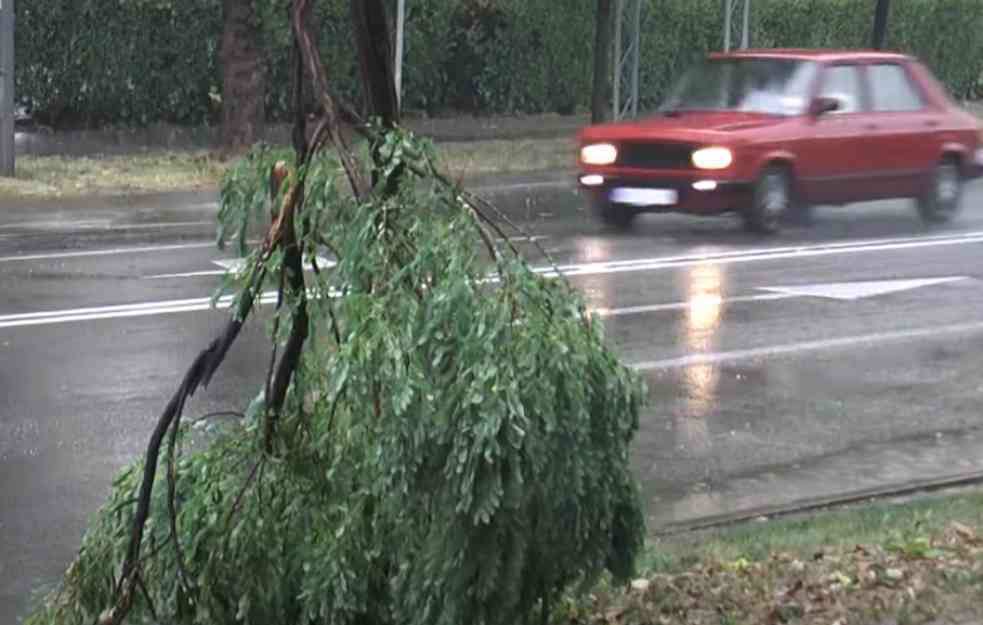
[768,133]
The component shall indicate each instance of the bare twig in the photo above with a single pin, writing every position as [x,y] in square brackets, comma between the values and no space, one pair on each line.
[146,595]
[315,68]
[242,492]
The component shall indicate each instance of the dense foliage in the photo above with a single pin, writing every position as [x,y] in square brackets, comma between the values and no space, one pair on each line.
[139,61]
[453,449]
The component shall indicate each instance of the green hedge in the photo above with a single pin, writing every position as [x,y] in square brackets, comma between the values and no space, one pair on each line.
[91,62]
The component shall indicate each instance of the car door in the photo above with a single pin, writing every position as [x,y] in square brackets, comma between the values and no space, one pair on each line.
[903,130]
[833,162]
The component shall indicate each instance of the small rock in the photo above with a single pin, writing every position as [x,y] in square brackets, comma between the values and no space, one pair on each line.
[641,585]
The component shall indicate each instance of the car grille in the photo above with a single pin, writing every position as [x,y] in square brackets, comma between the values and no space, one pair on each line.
[655,155]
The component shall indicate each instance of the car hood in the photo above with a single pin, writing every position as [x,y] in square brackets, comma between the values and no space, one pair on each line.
[700,127]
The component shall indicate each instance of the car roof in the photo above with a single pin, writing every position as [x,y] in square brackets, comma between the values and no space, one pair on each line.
[813,54]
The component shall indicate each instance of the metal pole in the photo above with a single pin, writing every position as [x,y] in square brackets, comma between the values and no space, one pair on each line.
[745,35]
[636,57]
[618,56]
[400,20]
[728,9]
[7,88]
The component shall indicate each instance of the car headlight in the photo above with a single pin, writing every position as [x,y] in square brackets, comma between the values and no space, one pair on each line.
[713,158]
[598,154]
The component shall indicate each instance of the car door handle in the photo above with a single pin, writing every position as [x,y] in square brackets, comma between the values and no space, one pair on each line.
[932,123]
[870,126]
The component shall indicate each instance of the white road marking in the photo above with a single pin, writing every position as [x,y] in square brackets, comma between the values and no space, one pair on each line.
[101,225]
[235,265]
[652,264]
[144,309]
[123,310]
[186,274]
[519,186]
[204,303]
[716,358]
[650,308]
[108,252]
[858,290]
[638,264]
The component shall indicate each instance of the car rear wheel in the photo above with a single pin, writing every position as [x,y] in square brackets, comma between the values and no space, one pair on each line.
[941,200]
[616,216]
[771,201]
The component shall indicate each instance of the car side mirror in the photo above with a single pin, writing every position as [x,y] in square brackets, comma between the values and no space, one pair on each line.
[823,105]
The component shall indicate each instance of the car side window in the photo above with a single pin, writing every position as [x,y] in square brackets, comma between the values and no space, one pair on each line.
[891,89]
[842,83]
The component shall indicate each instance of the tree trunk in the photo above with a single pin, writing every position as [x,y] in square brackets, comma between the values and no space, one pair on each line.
[601,96]
[373,39]
[880,23]
[243,85]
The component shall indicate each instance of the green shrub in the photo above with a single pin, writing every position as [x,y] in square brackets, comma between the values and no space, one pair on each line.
[139,61]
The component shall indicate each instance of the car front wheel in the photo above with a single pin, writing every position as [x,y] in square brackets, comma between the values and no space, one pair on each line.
[942,198]
[771,201]
[615,216]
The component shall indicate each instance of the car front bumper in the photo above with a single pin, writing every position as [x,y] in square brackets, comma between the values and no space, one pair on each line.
[977,166]
[695,194]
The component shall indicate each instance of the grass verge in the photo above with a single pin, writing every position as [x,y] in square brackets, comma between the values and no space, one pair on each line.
[58,176]
[912,563]
[65,177]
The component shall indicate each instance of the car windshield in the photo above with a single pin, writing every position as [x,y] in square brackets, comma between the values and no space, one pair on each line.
[754,85]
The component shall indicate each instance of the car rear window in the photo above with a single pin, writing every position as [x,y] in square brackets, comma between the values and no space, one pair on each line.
[892,90]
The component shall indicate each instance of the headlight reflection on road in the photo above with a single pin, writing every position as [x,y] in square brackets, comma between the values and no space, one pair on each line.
[593,249]
[701,381]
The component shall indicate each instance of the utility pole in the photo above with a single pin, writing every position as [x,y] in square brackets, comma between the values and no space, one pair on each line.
[626,48]
[745,31]
[881,12]
[7,88]
[400,22]
[728,10]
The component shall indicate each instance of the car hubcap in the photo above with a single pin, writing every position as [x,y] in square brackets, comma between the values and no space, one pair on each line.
[775,197]
[947,187]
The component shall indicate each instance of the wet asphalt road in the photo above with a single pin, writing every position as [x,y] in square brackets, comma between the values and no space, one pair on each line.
[841,356]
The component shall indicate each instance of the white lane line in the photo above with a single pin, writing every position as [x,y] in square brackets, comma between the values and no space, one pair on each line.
[145,309]
[269,297]
[187,274]
[101,226]
[545,184]
[124,310]
[638,264]
[797,249]
[716,358]
[641,310]
[592,269]
[235,265]
[108,252]
[847,291]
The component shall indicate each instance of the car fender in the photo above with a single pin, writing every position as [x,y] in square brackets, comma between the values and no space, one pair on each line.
[772,155]
[954,147]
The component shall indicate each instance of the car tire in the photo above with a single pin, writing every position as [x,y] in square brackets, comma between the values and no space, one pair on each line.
[941,200]
[771,201]
[616,216]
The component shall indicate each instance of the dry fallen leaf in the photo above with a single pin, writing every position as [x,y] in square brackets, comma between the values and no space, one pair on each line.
[965,532]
